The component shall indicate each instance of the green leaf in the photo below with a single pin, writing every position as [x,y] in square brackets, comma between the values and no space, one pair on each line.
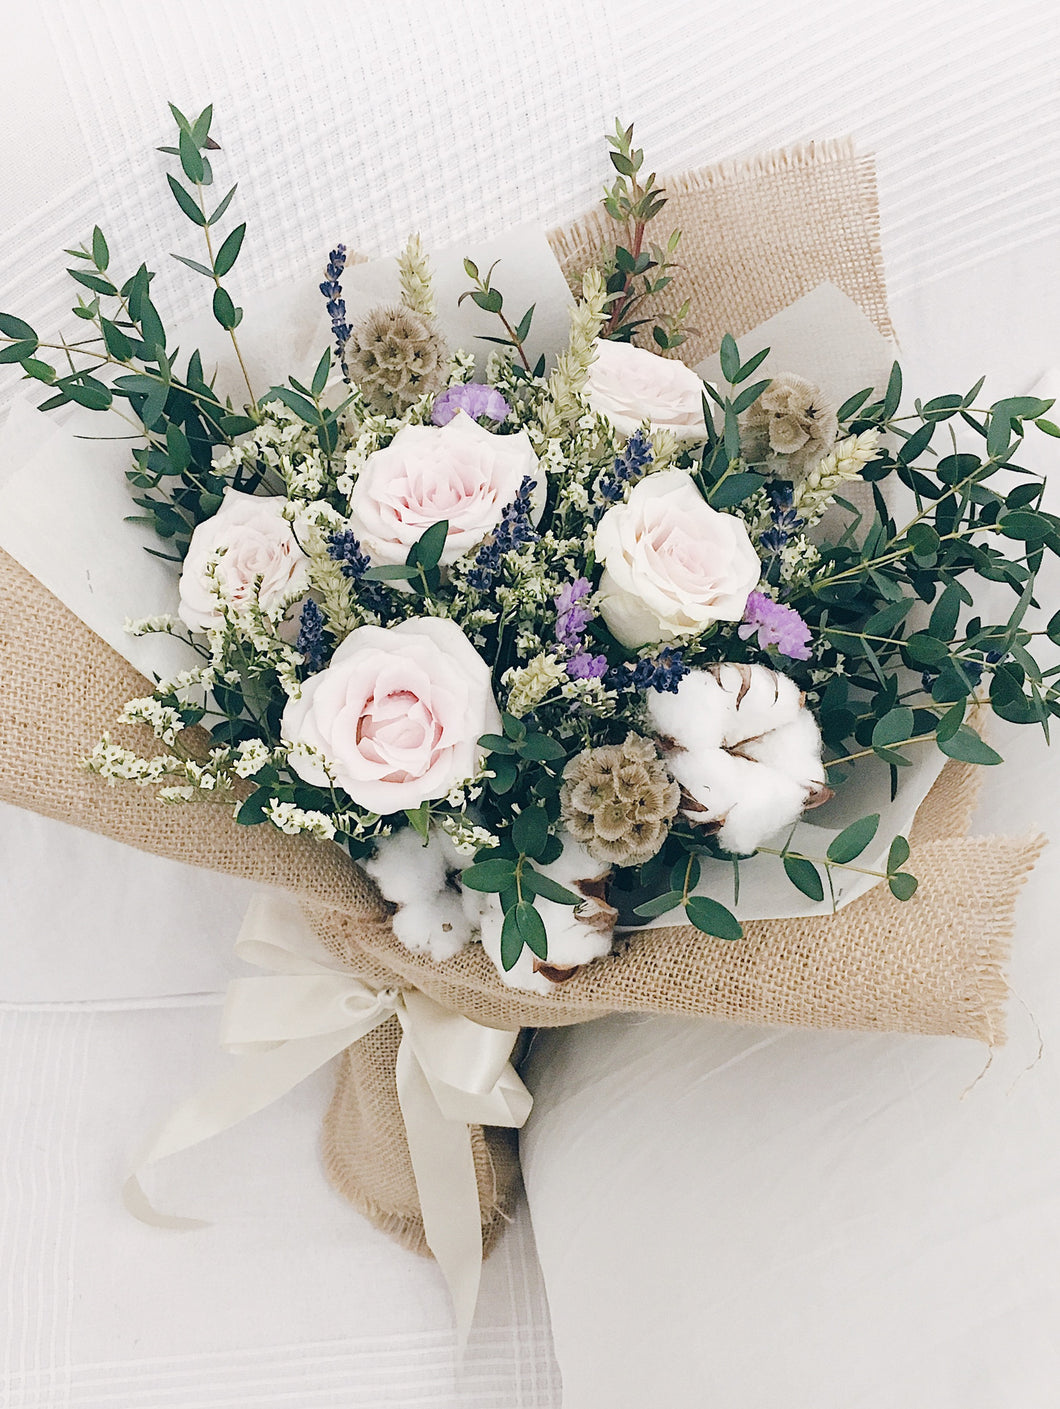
[748,395]
[420,819]
[924,539]
[513,727]
[1025,525]
[490,876]
[530,831]
[426,552]
[511,940]
[252,811]
[893,395]
[729,354]
[225,203]
[13,327]
[547,888]
[236,425]
[898,854]
[734,489]
[95,282]
[396,572]
[522,328]
[751,365]
[489,300]
[944,614]
[117,344]
[805,876]
[17,351]
[505,773]
[177,447]
[185,200]
[713,918]
[41,371]
[320,376]
[895,727]
[903,885]
[542,749]
[853,840]
[94,396]
[200,128]
[1024,408]
[966,746]
[854,403]
[100,252]
[225,311]
[229,251]
[531,928]
[659,906]
[924,649]
[496,743]
[916,444]
[1049,427]
[950,722]
[190,157]
[182,122]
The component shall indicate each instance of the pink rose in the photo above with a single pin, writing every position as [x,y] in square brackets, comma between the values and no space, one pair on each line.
[630,386]
[396,716]
[672,564]
[459,472]
[257,542]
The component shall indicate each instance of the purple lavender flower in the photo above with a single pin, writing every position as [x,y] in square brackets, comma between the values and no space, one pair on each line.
[785,518]
[571,617]
[332,291]
[776,625]
[628,467]
[583,666]
[663,673]
[514,531]
[310,641]
[344,547]
[474,399]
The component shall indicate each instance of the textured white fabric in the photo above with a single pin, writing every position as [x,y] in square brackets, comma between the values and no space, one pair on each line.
[362,121]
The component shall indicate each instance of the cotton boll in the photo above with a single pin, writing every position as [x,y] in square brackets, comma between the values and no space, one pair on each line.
[765,767]
[431,916]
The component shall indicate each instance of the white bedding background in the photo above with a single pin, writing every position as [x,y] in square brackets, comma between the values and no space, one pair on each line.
[723,1216]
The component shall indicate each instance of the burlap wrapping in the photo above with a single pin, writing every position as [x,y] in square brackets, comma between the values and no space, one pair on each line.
[756,237]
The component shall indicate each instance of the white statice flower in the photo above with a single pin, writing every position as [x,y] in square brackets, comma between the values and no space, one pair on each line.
[150,625]
[529,684]
[295,820]
[434,915]
[576,934]
[252,756]
[163,720]
[175,795]
[745,750]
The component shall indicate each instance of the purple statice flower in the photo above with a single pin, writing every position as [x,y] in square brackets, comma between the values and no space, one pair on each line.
[336,304]
[571,617]
[628,468]
[783,514]
[664,673]
[310,641]
[472,398]
[344,547]
[583,666]
[514,531]
[776,625]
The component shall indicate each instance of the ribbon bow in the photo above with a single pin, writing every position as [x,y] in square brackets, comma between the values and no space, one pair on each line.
[451,1073]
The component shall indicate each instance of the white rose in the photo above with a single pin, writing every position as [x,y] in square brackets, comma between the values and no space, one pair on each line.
[459,472]
[396,716]
[672,564]
[630,386]
[258,542]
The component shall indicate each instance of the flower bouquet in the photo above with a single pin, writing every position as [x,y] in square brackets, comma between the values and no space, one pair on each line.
[518,668]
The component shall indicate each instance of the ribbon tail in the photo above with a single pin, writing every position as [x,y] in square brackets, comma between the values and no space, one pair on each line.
[255,1081]
[444,1167]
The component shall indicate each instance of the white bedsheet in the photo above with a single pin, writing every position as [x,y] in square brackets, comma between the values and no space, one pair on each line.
[493,112]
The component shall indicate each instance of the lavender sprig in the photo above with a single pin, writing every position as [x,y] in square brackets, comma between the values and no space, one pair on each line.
[636,455]
[513,532]
[311,643]
[784,516]
[345,548]
[336,304]
[664,673]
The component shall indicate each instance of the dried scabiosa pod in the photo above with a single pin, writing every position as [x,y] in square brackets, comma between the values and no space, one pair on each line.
[395,356]
[618,800]
[790,427]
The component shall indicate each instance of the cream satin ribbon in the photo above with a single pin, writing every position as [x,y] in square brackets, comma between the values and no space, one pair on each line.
[451,1073]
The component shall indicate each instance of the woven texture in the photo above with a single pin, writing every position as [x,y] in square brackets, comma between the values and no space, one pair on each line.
[758,235]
